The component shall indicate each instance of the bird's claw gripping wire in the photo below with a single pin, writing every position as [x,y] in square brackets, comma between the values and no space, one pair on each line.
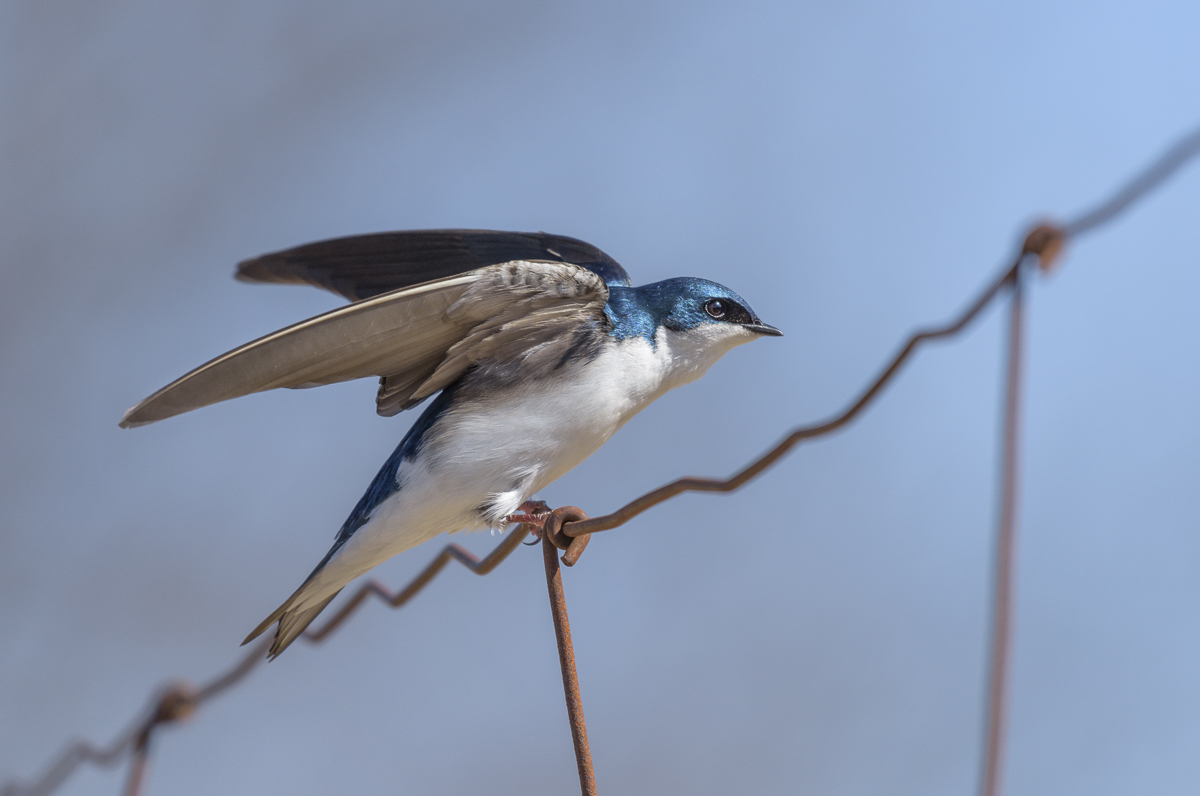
[532,513]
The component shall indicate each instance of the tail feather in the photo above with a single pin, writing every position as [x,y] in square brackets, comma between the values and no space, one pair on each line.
[292,622]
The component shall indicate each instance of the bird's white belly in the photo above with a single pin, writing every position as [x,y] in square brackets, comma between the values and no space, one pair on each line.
[481,461]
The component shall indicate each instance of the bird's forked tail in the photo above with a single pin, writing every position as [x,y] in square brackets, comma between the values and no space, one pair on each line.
[293,617]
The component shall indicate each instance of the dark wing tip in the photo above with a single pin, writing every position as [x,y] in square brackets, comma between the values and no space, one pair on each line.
[362,266]
[250,271]
[131,420]
[283,267]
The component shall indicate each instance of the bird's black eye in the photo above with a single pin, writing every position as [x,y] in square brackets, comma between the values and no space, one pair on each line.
[716,308]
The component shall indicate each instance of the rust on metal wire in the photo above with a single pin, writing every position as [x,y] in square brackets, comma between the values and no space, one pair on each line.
[1005,555]
[570,528]
[552,530]
[178,702]
[566,659]
[1045,241]
[137,767]
[1143,183]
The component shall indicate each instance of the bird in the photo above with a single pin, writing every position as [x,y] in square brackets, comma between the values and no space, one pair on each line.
[532,350]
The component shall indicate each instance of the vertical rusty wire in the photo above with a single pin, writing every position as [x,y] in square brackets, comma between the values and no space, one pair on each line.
[137,766]
[566,658]
[1006,539]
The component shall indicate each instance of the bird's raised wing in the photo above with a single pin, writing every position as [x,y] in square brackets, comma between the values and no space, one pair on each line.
[363,266]
[419,339]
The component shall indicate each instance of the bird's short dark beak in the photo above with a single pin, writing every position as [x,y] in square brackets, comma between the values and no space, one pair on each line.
[764,328]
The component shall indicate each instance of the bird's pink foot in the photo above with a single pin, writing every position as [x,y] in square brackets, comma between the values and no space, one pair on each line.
[532,513]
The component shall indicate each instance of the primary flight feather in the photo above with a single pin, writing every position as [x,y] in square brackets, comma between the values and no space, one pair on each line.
[536,346]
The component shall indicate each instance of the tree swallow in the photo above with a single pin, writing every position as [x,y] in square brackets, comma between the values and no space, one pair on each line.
[536,348]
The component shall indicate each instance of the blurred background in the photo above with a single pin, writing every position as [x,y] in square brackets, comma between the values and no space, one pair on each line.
[853,169]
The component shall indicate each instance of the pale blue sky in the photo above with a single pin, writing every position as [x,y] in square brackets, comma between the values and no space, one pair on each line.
[854,170]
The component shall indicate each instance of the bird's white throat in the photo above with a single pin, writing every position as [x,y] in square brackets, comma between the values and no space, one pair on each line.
[687,355]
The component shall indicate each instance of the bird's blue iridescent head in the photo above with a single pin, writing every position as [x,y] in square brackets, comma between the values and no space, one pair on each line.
[679,304]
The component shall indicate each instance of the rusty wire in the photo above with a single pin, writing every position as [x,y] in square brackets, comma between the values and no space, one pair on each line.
[996,711]
[562,634]
[570,529]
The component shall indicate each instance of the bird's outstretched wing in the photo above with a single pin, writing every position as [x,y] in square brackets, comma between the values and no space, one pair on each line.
[419,339]
[363,266]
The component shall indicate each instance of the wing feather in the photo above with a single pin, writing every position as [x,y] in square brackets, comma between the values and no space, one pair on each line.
[390,333]
[419,339]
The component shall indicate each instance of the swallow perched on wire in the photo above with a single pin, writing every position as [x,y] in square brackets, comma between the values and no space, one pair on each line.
[536,349]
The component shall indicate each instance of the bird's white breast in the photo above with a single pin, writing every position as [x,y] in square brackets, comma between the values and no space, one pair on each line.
[505,448]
